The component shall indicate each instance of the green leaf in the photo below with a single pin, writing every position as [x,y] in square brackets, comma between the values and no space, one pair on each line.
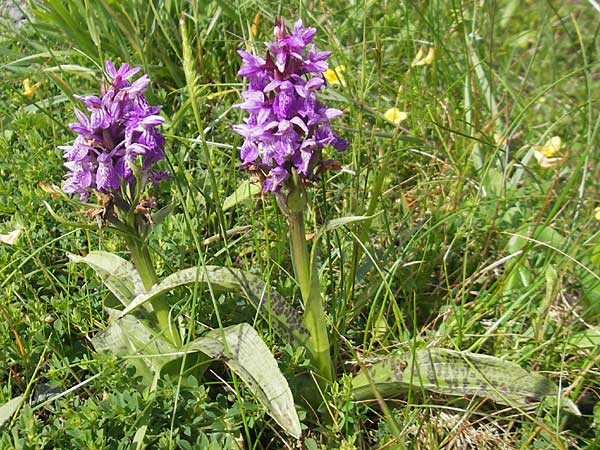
[118,274]
[159,216]
[9,408]
[456,373]
[330,226]
[45,103]
[129,337]
[270,304]
[245,192]
[588,339]
[341,222]
[243,350]
[239,346]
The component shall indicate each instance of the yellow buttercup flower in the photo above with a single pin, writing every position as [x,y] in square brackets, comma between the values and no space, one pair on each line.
[424,60]
[395,116]
[29,89]
[335,76]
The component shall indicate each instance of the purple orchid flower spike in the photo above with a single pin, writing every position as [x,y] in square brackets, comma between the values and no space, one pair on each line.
[120,127]
[287,127]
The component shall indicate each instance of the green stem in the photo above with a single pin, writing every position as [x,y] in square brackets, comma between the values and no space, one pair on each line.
[314,314]
[143,263]
[300,255]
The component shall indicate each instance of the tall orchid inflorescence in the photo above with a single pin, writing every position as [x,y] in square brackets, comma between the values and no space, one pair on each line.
[284,137]
[288,127]
[120,129]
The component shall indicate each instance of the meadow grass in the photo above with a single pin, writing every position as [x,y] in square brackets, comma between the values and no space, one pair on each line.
[473,245]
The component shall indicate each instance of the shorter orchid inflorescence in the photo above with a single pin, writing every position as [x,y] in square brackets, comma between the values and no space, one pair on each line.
[119,142]
[288,127]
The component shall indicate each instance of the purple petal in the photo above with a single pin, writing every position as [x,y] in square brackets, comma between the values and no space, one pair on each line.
[151,121]
[110,69]
[138,86]
[91,101]
[315,83]
[332,113]
[298,121]
[272,85]
[249,152]
[340,144]
[125,72]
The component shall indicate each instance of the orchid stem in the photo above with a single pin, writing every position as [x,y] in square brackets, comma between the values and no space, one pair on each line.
[308,280]
[143,263]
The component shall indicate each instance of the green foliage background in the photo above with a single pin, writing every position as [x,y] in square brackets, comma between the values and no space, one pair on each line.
[477,247]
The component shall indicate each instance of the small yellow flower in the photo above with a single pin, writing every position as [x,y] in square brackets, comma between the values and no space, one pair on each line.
[335,77]
[597,213]
[546,154]
[28,89]
[395,116]
[552,146]
[255,23]
[424,60]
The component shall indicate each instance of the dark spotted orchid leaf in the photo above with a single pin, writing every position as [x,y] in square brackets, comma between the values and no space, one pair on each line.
[269,303]
[451,372]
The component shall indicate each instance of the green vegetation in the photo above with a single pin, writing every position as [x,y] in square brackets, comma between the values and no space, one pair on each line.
[480,233]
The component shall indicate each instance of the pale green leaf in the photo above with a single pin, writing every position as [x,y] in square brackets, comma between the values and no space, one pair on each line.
[129,337]
[587,339]
[456,373]
[330,226]
[45,103]
[270,304]
[243,350]
[245,192]
[159,216]
[341,222]
[9,408]
[118,274]
[138,438]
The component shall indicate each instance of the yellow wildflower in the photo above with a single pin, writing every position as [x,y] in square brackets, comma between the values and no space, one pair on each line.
[255,23]
[335,77]
[29,89]
[395,116]
[424,60]
[546,154]
[552,146]
[597,213]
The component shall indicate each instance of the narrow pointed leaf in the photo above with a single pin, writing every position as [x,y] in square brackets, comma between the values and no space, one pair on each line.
[245,192]
[330,226]
[270,304]
[456,373]
[243,350]
[118,274]
[341,222]
[9,408]
[159,216]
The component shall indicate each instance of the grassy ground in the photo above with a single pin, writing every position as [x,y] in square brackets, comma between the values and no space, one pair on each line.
[477,247]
